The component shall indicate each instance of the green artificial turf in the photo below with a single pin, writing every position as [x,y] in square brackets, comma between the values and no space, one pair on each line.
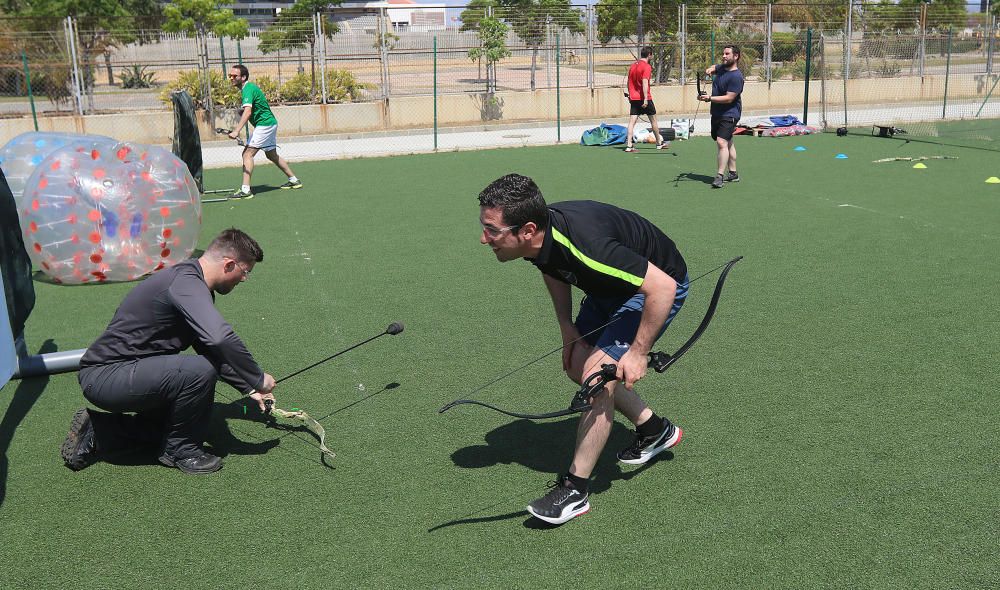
[839,414]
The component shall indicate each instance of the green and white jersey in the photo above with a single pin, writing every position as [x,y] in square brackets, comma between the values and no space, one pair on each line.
[260,111]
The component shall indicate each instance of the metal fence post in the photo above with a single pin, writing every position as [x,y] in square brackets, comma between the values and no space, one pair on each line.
[847,50]
[682,25]
[222,52]
[591,23]
[318,27]
[923,36]
[558,92]
[947,74]
[75,72]
[990,45]
[383,50]
[435,93]
[769,49]
[805,100]
[639,33]
[27,79]
[822,78]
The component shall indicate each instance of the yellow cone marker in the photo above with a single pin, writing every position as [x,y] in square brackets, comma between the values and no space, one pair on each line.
[920,165]
[993,180]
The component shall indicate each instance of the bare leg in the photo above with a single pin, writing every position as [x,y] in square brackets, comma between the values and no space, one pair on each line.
[732,156]
[248,154]
[595,425]
[279,162]
[631,127]
[723,145]
[656,129]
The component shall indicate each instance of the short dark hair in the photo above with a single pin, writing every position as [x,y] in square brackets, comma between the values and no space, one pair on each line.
[518,198]
[243,70]
[646,52]
[235,244]
[735,48]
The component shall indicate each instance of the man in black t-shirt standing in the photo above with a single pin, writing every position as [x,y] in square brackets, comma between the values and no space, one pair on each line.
[727,108]
[632,276]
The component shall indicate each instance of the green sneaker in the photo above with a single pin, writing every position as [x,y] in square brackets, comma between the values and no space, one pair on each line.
[290,184]
[241,195]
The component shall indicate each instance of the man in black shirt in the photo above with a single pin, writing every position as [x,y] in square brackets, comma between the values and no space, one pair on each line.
[632,276]
[727,108]
[135,365]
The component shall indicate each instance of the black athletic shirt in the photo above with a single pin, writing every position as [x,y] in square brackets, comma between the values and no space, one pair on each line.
[168,312]
[603,250]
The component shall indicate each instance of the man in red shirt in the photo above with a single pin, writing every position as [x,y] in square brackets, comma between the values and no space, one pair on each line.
[640,98]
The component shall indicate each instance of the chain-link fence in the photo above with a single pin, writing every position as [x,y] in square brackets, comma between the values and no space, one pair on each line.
[868,54]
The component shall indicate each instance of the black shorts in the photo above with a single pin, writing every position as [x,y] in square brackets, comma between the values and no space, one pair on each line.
[723,127]
[637,108]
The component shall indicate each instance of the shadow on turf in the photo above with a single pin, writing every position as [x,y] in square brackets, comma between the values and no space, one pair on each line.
[545,447]
[27,392]
[224,442]
[260,190]
[691,176]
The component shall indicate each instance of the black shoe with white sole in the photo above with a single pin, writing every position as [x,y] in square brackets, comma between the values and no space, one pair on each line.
[80,448]
[645,448]
[562,503]
[732,176]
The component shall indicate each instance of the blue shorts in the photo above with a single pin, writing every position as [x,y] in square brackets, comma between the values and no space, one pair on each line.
[616,338]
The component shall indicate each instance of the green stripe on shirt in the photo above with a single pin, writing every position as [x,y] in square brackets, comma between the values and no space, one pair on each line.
[590,262]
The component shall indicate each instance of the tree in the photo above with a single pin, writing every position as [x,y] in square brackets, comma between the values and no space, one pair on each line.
[102,25]
[940,13]
[817,15]
[535,20]
[617,20]
[294,29]
[475,11]
[492,48]
[199,17]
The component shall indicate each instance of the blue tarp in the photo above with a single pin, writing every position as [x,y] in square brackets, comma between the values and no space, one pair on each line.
[604,135]
[785,120]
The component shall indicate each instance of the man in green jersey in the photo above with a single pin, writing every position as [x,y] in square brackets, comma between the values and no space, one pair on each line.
[258,113]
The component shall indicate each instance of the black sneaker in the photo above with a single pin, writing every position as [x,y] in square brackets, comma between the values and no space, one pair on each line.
[562,503]
[290,184]
[199,464]
[717,183]
[732,177]
[645,448]
[80,449]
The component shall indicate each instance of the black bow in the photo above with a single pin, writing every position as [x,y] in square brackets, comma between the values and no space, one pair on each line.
[593,384]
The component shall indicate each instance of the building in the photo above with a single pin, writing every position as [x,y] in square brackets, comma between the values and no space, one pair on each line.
[405,15]
[256,12]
